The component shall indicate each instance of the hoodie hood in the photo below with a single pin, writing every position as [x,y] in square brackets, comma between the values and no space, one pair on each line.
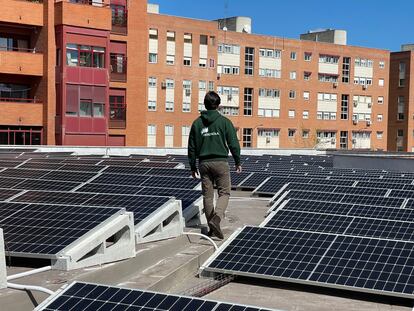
[209,116]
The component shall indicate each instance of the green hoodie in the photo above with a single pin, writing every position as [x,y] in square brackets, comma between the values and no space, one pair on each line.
[211,137]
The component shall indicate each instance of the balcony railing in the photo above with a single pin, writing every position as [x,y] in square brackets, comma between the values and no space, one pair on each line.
[20,100]
[119,24]
[17,49]
[117,118]
[86,2]
[118,68]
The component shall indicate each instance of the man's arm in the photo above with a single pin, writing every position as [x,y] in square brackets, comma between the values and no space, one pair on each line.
[233,143]
[192,150]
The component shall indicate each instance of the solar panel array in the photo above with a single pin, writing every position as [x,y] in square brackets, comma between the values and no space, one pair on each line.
[86,296]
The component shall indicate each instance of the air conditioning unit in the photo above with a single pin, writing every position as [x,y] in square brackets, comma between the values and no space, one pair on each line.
[355,122]
[335,85]
[267,140]
[333,141]
[364,86]
[355,103]
[368,122]
[218,76]
[369,105]
[187,92]
[353,140]
[163,85]
[229,98]
[355,117]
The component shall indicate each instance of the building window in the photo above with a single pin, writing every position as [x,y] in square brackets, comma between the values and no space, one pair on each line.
[188,38]
[305,134]
[401,77]
[380,100]
[292,75]
[117,111]
[328,59]
[306,95]
[308,56]
[169,106]
[152,105]
[293,55]
[118,67]
[211,86]
[202,62]
[306,75]
[228,70]
[170,59]
[344,107]
[248,61]
[270,53]
[346,67]
[20,135]
[248,102]
[305,114]
[380,134]
[187,61]
[152,82]
[229,49]
[202,85]
[119,18]
[85,56]
[186,107]
[269,73]
[381,82]
[153,58]
[291,133]
[247,137]
[380,117]
[85,108]
[203,40]
[382,64]
[322,77]
[291,113]
[169,83]
[201,107]
[11,92]
[343,140]
[401,108]
[292,94]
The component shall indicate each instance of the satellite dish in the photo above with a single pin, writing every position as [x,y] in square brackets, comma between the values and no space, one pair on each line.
[247,28]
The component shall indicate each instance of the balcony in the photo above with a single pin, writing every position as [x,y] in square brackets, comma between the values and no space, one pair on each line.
[83,13]
[119,25]
[117,116]
[21,62]
[26,12]
[118,68]
[21,111]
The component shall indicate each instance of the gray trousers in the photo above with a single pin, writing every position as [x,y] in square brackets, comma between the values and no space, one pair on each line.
[215,173]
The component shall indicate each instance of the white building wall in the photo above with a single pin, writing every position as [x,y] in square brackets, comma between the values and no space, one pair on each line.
[170,48]
[327,106]
[228,59]
[363,72]
[188,50]
[268,103]
[270,63]
[152,93]
[329,68]
[203,51]
[153,45]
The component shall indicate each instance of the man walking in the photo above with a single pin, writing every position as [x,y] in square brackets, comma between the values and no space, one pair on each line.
[211,137]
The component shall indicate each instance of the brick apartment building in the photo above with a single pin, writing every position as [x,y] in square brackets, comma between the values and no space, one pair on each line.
[116,72]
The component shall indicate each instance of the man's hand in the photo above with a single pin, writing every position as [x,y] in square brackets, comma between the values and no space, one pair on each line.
[238,169]
[195,174]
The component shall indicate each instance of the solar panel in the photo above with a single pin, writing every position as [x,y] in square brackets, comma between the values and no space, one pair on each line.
[22,173]
[171,182]
[70,198]
[118,179]
[254,181]
[68,176]
[10,182]
[169,172]
[86,296]
[158,164]
[355,263]
[81,168]
[40,229]
[103,188]
[7,193]
[237,178]
[127,170]
[41,165]
[9,164]
[187,196]
[39,184]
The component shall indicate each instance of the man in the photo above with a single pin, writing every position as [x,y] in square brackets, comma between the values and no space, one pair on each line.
[211,137]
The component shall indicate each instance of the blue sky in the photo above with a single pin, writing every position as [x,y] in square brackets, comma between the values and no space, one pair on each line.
[372,23]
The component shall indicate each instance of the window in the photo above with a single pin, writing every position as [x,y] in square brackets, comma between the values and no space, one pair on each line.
[292,94]
[306,95]
[171,36]
[346,66]
[169,83]
[308,56]
[117,111]
[305,114]
[153,58]
[229,111]
[381,82]
[152,82]
[202,85]
[343,140]
[152,105]
[248,102]
[269,73]
[85,56]
[382,64]
[380,117]
[202,62]
[363,62]
[344,106]
[293,55]
[15,92]
[187,61]
[248,61]
[186,107]
[85,108]
[170,59]
[203,40]
[211,85]
[201,107]
[169,106]
[229,49]
[380,134]
[153,34]
[228,70]
[247,137]
[380,100]
[291,113]
[291,132]
[20,135]
[328,59]
[188,38]
[269,53]
[305,134]
[306,75]
[292,75]
[322,77]
[119,18]
[98,110]
[273,93]
[118,67]
[401,79]
[401,108]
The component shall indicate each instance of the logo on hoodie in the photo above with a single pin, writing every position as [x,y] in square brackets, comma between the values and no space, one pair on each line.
[205,133]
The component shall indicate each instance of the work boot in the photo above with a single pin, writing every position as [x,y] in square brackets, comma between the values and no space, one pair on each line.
[215,226]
